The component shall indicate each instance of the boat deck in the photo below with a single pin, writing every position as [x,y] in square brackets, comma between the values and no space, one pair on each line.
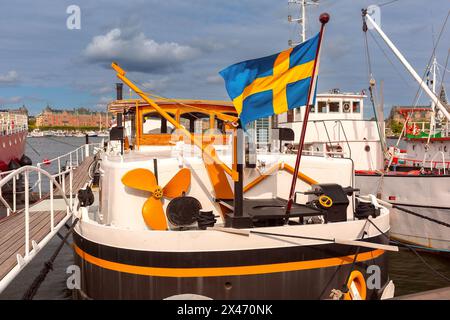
[12,227]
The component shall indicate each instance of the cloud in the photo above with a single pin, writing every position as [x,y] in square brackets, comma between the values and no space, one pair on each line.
[159,84]
[11,100]
[215,79]
[136,52]
[103,90]
[103,102]
[11,77]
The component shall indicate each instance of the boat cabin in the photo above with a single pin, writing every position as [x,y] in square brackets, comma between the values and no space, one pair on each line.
[144,126]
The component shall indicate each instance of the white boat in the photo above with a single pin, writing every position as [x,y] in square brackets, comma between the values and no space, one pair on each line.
[421,197]
[103,134]
[180,216]
[36,133]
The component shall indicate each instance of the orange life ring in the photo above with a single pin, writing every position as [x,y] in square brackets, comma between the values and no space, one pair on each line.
[357,289]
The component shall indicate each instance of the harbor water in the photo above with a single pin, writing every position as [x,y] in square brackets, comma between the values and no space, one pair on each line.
[409,273]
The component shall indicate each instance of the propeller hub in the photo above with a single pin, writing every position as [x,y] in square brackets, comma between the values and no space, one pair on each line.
[158,192]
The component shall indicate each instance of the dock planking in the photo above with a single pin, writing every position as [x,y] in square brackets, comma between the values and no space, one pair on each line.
[12,227]
[80,176]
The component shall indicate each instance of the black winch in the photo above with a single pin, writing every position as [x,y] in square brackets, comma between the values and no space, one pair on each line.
[333,198]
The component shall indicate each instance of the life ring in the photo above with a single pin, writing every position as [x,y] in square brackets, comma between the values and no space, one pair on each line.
[346,107]
[325,201]
[357,289]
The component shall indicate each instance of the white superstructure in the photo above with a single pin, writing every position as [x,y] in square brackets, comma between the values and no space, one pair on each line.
[337,127]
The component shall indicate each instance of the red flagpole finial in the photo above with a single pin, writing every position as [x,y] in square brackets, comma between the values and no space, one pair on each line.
[324,18]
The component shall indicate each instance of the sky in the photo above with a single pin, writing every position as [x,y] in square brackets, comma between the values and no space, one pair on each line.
[176,48]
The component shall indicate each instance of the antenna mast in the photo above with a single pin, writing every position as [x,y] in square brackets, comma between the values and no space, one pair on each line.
[301,20]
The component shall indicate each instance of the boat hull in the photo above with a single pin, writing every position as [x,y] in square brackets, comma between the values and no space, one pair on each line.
[427,196]
[12,146]
[297,272]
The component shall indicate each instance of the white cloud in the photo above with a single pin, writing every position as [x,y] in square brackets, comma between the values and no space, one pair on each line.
[215,79]
[136,52]
[103,102]
[103,90]
[10,77]
[11,100]
[156,85]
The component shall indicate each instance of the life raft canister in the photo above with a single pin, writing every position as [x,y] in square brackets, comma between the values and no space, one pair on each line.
[356,285]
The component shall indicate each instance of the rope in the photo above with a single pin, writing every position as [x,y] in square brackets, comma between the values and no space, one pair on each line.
[31,292]
[421,216]
[372,85]
[386,3]
[63,142]
[413,250]
[32,148]
[345,286]
[445,69]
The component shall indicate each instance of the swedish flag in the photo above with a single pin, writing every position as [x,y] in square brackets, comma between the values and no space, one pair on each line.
[272,85]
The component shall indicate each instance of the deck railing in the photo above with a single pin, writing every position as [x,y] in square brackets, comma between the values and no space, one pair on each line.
[71,159]
[56,182]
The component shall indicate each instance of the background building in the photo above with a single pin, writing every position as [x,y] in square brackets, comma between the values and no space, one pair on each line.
[76,118]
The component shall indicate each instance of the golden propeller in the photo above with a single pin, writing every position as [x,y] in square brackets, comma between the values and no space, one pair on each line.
[152,211]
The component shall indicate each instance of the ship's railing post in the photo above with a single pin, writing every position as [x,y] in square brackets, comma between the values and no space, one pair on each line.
[27,215]
[39,182]
[14,193]
[87,146]
[52,219]
[78,162]
[3,200]
[59,165]
[70,159]
[70,188]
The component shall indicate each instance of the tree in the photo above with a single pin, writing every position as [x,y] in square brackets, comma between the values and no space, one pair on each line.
[396,127]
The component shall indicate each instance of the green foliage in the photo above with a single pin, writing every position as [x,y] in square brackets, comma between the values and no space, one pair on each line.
[396,126]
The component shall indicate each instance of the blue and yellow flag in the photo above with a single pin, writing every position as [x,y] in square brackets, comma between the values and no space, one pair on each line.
[272,85]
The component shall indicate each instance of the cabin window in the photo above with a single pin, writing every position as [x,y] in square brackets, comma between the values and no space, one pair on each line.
[322,107]
[298,114]
[290,116]
[153,123]
[356,107]
[195,122]
[313,108]
[334,106]
[274,121]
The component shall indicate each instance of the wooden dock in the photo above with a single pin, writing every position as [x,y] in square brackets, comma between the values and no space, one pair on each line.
[12,227]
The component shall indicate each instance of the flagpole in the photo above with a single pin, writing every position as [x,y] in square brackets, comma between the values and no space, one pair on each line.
[324,18]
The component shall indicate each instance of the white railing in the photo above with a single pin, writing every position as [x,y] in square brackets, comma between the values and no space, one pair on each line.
[29,253]
[432,160]
[11,123]
[71,159]
[425,127]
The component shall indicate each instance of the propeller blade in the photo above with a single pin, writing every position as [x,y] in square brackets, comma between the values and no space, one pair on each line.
[141,179]
[153,214]
[178,184]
